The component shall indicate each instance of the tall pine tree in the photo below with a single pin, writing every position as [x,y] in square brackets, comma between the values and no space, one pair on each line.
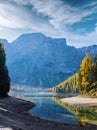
[4,78]
[92,77]
[85,68]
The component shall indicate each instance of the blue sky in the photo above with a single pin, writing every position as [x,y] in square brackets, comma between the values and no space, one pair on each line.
[75,20]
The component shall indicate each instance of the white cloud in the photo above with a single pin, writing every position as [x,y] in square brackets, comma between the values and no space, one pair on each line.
[82,40]
[92,4]
[11,17]
[18,19]
[59,14]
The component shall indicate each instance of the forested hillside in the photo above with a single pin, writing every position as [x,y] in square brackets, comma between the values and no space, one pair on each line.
[84,81]
[67,86]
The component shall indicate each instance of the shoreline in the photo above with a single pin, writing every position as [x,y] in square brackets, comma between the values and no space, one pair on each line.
[14,115]
[80,101]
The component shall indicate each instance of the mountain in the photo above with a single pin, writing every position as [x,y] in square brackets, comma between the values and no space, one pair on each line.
[7,50]
[40,61]
[92,50]
[6,43]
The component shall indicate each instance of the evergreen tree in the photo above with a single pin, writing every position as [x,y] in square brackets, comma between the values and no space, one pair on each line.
[4,78]
[80,88]
[92,77]
[95,58]
[85,68]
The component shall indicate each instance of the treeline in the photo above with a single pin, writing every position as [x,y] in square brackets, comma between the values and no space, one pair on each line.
[67,86]
[84,81]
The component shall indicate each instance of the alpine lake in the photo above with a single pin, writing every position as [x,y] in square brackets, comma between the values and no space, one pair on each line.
[49,106]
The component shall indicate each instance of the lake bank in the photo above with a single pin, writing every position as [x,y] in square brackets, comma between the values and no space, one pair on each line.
[80,101]
[14,115]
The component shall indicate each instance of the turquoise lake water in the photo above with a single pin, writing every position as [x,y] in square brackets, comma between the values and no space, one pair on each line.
[52,108]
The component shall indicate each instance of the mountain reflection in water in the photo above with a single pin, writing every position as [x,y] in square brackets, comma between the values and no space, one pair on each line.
[52,108]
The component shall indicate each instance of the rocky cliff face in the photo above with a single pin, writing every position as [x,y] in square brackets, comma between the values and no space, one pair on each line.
[40,61]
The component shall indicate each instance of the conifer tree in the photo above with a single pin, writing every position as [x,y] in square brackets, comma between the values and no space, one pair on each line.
[95,58]
[85,68]
[92,77]
[4,78]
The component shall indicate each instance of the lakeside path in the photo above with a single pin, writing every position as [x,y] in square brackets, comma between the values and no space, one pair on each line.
[14,116]
[80,101]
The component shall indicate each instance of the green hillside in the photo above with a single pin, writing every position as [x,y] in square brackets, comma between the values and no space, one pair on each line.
[67,86]
[84,81]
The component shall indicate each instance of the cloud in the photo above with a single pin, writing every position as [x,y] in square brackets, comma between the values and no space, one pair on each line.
[59,14]
[82,40]
[52,17]
[16,20]
[91,4]
[11,16]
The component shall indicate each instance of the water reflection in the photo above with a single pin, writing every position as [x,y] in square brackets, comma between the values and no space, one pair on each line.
[49,109]
[85,115]
[52,108]
[45,106]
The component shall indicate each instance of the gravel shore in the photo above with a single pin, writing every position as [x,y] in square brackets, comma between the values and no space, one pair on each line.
[14,116]
[80,101]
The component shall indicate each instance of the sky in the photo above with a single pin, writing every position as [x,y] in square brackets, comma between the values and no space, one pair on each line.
[75,20]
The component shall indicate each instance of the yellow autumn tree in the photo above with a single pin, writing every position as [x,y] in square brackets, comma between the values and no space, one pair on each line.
[85,68]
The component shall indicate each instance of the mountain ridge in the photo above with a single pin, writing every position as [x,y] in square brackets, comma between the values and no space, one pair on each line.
[37,60]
